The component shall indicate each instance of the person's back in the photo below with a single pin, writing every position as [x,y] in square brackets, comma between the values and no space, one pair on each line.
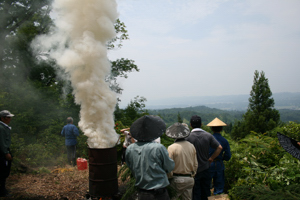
[217,166]
[202,141]
[70,132]
[149,162]
[225,153]
[184,155]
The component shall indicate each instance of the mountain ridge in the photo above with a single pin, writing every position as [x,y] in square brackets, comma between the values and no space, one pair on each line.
[283,100]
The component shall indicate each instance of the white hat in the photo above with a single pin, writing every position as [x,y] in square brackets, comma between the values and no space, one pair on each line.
[6,113]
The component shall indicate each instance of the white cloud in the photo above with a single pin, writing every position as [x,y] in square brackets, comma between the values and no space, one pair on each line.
[215,45]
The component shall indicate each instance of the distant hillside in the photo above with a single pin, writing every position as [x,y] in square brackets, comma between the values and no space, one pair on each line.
[170,115]
[230,102]
[287,115]
[207,114]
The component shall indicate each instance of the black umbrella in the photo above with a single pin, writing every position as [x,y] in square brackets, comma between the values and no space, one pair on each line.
[289,144]
[147,128]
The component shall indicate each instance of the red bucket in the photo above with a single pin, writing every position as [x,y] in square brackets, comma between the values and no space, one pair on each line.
[81,163]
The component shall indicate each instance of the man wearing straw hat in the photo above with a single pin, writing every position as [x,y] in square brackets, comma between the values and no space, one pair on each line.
[149,161]
[185,157]
[5,154]
[217,166]
[202,141]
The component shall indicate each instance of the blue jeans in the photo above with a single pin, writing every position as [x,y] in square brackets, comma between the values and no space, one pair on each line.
[201,190]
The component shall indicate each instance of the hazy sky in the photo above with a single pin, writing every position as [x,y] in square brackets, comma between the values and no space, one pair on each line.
[209,47]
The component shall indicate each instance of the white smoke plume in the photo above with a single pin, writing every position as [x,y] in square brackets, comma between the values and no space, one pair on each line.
[86,26]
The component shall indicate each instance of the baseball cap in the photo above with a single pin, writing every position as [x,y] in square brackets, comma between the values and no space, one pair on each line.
[6,113]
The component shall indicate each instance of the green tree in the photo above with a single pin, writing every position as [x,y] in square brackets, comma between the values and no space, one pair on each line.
[134,110]
[20,22]
[120,68]
[29,85]
[179,119]
[261,116]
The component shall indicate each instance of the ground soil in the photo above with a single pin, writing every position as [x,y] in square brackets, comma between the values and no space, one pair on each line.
[219,197]
[67,183]
[61,183]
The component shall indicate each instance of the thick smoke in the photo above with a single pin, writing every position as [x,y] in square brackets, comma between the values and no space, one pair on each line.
[78,44]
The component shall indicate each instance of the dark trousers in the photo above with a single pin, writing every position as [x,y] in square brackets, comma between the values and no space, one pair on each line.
[123,155]
[71,152]
[5,166]
[159,194]
[217,174]
[201,190]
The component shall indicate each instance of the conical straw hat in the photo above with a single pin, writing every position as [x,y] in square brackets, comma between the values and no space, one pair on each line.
[216,122]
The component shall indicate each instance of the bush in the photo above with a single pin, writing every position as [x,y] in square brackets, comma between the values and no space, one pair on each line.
[260,167]
[290,129]
[263,192]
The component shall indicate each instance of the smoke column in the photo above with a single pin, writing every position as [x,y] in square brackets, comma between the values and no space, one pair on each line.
[78,44]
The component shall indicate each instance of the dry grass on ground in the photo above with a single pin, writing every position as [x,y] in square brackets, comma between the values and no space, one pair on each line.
[62,184]
[66,183]
[219,197]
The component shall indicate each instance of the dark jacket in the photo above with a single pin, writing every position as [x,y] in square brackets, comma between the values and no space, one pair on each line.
[5,139]
[202,141]
[70,132]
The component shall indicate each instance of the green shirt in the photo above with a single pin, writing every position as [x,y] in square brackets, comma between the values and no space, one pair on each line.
[5,139]
[149,162]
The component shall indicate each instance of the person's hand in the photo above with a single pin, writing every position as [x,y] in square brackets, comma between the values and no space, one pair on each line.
[8,156]
[124,129]
[298,143]
[210,160]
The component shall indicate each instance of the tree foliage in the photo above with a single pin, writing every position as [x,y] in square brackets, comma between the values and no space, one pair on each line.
[134,110]
[179,119]
[259,163]
[261,116]
[120,68]
[20,22]
[32,89]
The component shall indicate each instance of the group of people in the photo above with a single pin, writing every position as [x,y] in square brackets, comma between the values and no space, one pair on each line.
[189,165]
